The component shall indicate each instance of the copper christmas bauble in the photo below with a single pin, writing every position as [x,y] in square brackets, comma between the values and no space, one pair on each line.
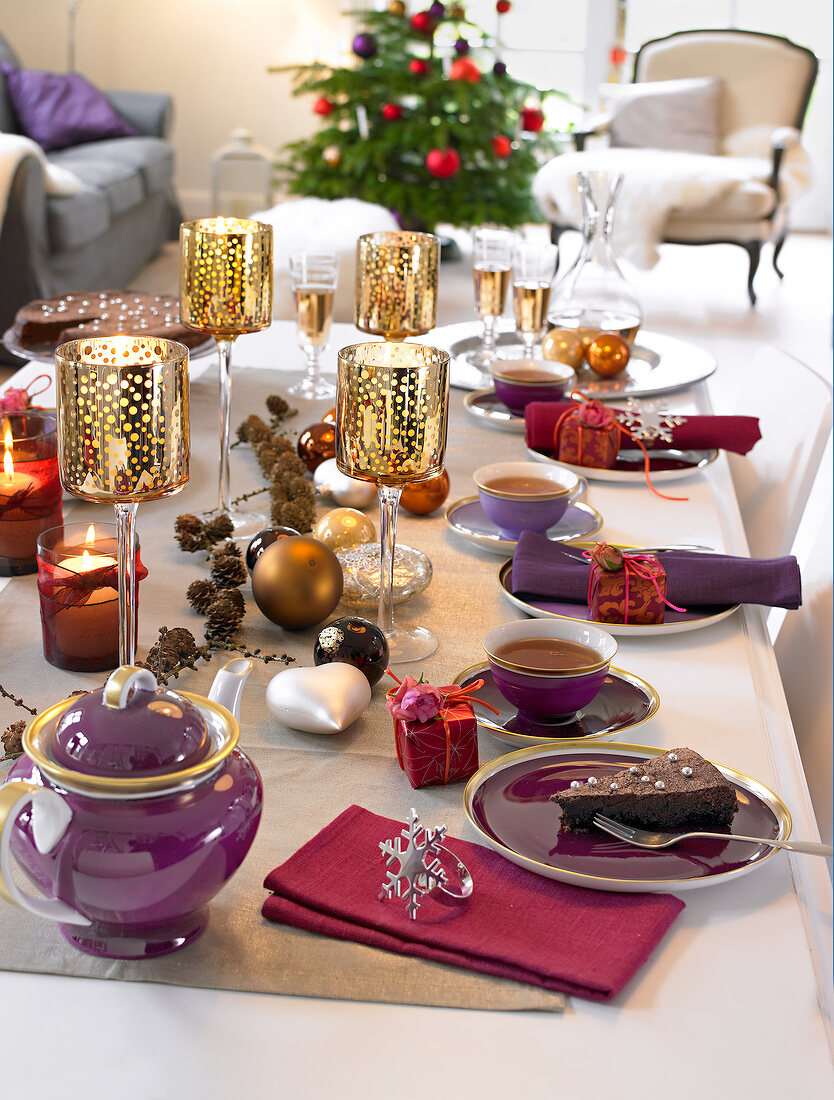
[344,527]
[563,345]
[422,497]
[608,354]
[297,582]
[353,641]
[263,539]
[316,444]
[332,156]
[330,416]
[396,7]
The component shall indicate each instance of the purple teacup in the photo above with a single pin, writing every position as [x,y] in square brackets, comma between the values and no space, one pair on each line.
[524,496]
[520,381]
[541,682]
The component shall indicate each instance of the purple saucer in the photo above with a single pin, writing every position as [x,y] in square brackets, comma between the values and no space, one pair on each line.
[508,802]
[469,519]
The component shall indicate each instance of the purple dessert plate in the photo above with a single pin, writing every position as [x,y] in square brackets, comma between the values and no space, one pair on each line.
[624,702]
[669,465]
[675,622]
[508,804]
[485,406]
[468,518]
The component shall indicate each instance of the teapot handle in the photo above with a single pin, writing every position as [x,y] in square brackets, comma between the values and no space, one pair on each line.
[50,818]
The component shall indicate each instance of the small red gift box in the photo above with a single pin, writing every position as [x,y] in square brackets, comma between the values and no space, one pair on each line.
[634,594]
[587,436]
[442,750]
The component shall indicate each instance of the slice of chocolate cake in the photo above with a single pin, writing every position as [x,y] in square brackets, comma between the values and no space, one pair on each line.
[679,789]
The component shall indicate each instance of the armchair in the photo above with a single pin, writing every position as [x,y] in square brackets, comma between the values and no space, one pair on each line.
[737,192]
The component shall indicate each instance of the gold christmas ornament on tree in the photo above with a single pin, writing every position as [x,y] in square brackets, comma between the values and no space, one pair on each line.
[332,156]
[396,7]
[563,345]
[608,354]
[297,582]
[344,527]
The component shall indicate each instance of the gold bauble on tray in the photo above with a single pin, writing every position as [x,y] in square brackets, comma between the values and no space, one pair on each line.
[344,527]
[608,354]
[297,582]
[563,345]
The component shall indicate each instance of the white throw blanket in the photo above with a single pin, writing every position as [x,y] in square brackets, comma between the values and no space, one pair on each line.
[13,148]
[656,182]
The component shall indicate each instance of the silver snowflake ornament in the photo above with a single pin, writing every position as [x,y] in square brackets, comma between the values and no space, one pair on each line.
[417,851]
[649,424]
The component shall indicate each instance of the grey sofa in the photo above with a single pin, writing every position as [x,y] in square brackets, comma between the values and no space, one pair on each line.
[103,235]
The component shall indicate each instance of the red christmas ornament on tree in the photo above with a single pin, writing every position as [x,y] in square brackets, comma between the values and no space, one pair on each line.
[443,163]
[391,112]
[465,69]
[503,6]
[532,119]
[422,22]
[418,66]
[323,106]
[501,145]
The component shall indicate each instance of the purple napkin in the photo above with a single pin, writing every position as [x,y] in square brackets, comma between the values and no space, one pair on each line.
[545,568]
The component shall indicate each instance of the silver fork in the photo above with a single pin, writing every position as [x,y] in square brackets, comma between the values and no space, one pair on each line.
[642,838]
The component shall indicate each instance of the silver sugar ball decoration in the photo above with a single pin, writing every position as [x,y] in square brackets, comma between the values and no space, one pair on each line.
[645,779]
[673,756]
[659,785]
[592,780]
[686,771]
[612,786]
[634,769]
[575,783]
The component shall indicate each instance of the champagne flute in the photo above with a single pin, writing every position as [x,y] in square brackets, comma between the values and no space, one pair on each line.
[396,283]
[313,276]
[391,419]
[492,252]
[123,437]
[226,291]
[534,266]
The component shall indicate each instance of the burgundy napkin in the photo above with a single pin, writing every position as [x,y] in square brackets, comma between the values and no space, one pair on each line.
[729,433]
[516,925]
[545,568]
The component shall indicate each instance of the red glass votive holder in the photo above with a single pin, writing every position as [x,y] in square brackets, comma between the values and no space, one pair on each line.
[30,487]
[78,582]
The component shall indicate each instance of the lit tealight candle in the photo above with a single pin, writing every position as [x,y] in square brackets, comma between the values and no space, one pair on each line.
[86,562]
[30,492]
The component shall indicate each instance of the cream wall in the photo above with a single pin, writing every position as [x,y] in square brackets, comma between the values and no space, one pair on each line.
[210,55]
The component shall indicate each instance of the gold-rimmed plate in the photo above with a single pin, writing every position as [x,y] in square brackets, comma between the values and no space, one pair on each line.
[467,518]
[664,465]
[508,804]
[623,703]
[486,407]
[675,622]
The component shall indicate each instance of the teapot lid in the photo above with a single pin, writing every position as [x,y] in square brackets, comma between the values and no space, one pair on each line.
[130,728]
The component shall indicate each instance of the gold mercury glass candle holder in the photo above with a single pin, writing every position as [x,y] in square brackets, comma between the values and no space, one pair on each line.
[396,283]
[123,437]
[226,292]
[391,421]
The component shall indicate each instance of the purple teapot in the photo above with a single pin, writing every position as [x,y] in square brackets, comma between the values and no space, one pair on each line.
[130,809]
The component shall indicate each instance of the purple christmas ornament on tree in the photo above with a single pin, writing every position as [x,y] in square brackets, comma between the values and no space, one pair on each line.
[364,46]
[461,46]
[437,10]
[499,68]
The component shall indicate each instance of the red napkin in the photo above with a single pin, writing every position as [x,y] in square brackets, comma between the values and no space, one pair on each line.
[728,433]
[516,925]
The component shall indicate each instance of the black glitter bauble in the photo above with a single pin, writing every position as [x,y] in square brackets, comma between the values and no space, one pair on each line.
[263,539]
[353,641]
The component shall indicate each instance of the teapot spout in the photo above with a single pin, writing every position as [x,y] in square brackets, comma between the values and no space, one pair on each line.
[228,684]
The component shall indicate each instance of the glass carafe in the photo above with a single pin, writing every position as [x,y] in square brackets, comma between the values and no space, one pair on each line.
[593,295]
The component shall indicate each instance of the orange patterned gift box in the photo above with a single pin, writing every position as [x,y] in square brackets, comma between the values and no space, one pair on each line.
[626,588]
[588,435]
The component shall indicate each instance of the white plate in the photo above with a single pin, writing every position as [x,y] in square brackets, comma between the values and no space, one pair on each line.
[676,622]
[485,407]
[507,803]
[692,462]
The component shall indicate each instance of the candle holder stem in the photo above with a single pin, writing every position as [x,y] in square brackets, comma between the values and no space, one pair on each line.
[389,503]
[126,535]
[224,348]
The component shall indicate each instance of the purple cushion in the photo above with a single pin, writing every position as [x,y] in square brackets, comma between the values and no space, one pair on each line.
[60,110]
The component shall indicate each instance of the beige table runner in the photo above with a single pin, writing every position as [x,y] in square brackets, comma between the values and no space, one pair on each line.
[308,779]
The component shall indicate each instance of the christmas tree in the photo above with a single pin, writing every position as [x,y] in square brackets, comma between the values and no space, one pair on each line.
[457,142]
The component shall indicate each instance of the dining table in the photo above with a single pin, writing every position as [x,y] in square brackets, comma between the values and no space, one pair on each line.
[736,1000]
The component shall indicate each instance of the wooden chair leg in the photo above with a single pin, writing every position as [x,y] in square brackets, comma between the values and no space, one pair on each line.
[754,251]
[776,250]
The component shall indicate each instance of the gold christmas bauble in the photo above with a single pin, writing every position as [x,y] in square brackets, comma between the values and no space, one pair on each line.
[297,582]
[332,156]
[344,527]
[563,345]
[608,354]
[457,11]
[396,7]
[422,497]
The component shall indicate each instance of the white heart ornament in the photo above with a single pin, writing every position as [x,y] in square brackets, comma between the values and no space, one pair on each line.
[323,699]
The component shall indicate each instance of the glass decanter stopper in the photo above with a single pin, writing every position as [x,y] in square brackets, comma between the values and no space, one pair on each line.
[593,295]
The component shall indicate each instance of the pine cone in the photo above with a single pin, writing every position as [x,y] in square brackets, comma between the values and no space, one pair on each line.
[200,593]
[221,527]
[190,533]
[277,494]
[230,547]
[266,455]
[224,617]
[288,462]
[173,648]
[283,445]
[253,430]
[12,740]
[298,514]
[227,570]
[234,596]
[278,408]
